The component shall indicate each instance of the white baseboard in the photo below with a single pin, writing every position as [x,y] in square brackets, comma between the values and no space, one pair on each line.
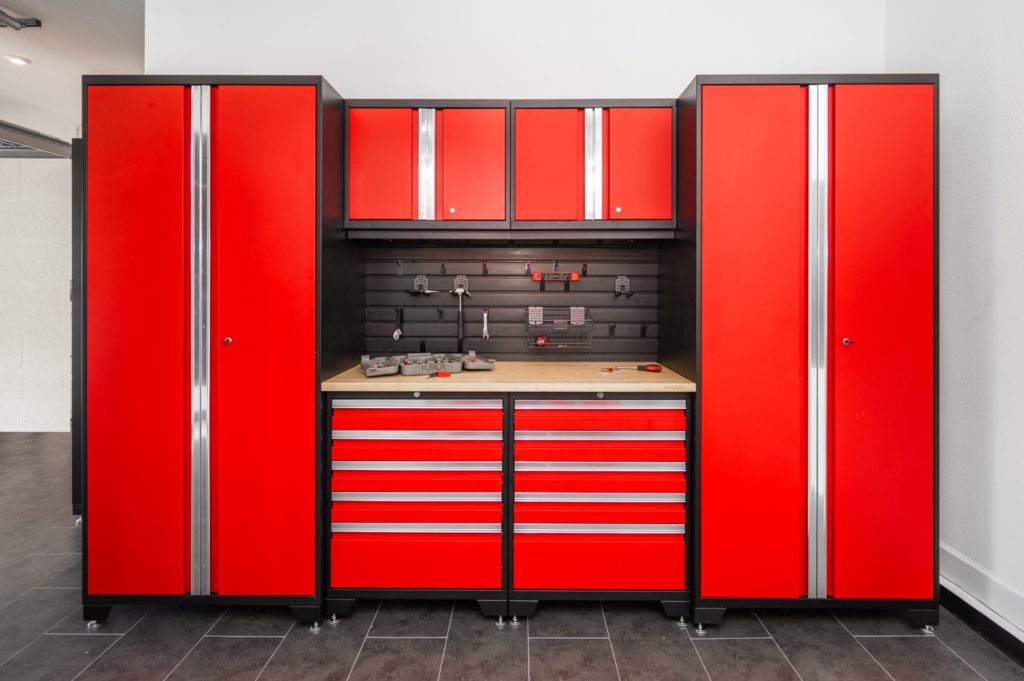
[981,589]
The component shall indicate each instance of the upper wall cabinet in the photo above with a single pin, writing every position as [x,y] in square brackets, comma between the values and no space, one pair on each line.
[444,163]
[583,164]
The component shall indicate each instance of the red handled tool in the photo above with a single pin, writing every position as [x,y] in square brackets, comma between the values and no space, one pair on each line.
[653,368]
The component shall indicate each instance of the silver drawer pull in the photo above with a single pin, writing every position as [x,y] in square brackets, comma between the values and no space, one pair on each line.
[416,404]
[603,497]
[600,404]
[419,528]
[601,435]
[598,528]
[432,465]
[416,496]
[488,435]
[601,466]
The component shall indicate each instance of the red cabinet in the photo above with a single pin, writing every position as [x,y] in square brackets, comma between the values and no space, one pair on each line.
[137,303]
[884,378]
[445,164]
[548,162]
[600,496]
[638,164]
[382,163]
[594,163]
[263,448]
[754,227]
[201,264]
[816,259]
[416,494]
[471,164]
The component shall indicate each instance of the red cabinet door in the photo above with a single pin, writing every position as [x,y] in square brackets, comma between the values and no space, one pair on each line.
[548,163]
[383,152]
[882,538]
[754,315]
[263,297]
[470,164]
[638,164]
[137,339]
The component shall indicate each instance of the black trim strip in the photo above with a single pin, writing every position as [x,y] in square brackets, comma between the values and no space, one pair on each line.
[983,624]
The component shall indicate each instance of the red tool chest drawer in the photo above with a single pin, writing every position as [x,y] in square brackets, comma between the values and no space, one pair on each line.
[600,495]
[416,494]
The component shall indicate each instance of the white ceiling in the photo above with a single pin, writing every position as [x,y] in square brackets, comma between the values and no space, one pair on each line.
[77,37]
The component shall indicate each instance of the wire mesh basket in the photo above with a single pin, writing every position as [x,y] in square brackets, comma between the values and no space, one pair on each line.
[559,328]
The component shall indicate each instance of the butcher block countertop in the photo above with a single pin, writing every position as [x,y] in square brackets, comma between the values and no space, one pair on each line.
[511,377]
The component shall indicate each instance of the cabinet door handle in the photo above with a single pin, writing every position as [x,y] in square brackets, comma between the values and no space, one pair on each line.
[227,341]
[847,341]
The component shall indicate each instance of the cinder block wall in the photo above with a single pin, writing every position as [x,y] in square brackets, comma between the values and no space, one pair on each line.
[35,306]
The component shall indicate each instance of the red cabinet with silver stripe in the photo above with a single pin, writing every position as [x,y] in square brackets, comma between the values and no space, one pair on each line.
[599,503]
[416,499]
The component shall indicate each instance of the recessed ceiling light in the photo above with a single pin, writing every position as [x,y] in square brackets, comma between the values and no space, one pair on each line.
[15,59]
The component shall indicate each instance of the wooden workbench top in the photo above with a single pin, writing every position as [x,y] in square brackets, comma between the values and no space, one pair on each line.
[509,377]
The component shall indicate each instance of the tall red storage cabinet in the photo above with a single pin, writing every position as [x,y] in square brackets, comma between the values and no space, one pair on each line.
[812,213]
[202,261]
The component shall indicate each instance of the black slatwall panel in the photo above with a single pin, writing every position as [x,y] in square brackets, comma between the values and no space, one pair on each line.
[624,328]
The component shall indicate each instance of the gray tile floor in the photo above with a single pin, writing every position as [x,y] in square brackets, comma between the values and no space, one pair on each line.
[42,635]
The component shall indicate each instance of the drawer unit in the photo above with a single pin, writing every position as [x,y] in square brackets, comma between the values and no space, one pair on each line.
[416,499]
[599,500]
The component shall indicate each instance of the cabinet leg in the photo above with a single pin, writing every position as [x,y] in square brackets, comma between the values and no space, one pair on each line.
[702,616]
[676,609]
[96,613]
[493,608]
[308,614]
[924,618]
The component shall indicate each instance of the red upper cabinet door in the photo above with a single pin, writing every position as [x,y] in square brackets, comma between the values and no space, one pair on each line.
[263,383]
[638,164]
[753,315]
[470,164]
[383,152]
[883,542]
[137,339]
[548,164]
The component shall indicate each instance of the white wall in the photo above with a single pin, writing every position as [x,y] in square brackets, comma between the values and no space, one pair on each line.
[978,48]
[35,310]
[529,48]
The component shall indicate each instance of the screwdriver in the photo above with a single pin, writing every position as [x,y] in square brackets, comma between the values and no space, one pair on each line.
[654,368]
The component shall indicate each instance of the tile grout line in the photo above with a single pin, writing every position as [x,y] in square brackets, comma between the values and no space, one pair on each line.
[246,636]
[528,649]
[360,651]
[78,633]
[198,641]
[611,646]
[40,635]
[144,616]
[969,665]
[893,635]
[279,644]
[784,655]
[413,638]
[732,638]
[699,658]
[570,638]
[862,646]
[448,633]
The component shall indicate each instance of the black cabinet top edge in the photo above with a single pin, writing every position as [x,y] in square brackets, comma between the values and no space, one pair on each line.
[142,79]
[819,79]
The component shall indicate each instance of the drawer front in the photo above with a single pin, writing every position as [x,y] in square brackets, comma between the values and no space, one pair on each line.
[483,482]
[627,514]
[620,485]
[411,451]
[418,512]
[568,561]
[416,493]
[547,415]
[415,560]
[620,454]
